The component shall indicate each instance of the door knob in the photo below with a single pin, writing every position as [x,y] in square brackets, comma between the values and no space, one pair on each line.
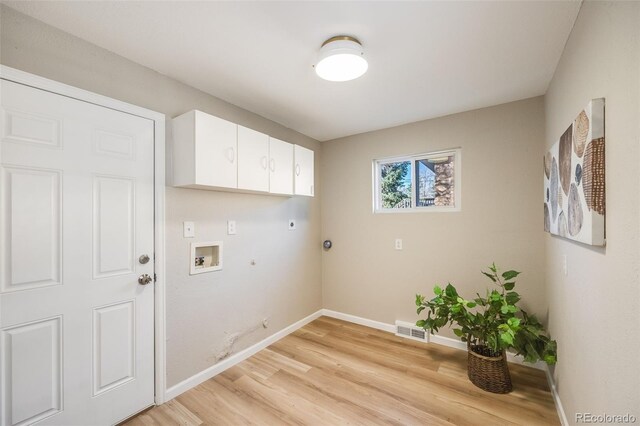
[144,279]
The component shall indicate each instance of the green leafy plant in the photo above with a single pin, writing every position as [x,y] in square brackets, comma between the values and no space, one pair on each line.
[492,323]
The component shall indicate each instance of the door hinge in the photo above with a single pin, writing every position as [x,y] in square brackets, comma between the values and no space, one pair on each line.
[155,277]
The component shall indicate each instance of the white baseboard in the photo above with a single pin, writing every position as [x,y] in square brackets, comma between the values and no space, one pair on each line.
[511,357]
[540,365]
[433,338]
[556,398]
[447,341]
[390,328]
[457,344]
[236,358]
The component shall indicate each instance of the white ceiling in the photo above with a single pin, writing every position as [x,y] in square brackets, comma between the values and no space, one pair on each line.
[426,59]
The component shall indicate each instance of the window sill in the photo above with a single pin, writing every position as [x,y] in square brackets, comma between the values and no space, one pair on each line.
[418,210]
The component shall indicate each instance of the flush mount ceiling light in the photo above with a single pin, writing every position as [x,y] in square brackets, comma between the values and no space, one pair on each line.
[341,59]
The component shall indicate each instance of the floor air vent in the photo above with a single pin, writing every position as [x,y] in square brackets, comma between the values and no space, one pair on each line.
[411,331]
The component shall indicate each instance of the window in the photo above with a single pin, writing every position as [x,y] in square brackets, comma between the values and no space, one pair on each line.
[426,182]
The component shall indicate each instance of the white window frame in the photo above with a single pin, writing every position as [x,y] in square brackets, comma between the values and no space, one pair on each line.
[377,190]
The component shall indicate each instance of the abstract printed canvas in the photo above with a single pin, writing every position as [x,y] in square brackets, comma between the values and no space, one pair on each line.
[574,192]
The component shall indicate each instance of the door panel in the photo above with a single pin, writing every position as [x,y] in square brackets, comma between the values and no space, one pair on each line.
[114,145]
[32,128]
[303,171]
[253,159]
[280,167]
[76,212]
[114,345]
[216,151]
[32,228]
[113,226]
[31,379]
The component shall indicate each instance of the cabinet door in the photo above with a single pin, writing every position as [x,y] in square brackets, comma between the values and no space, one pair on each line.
[253,160]
[216,151]
[303,171]
[280,167]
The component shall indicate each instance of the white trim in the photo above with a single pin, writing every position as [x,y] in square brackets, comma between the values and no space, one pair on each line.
[433,209]
[432,338]
[238,357]
[22,77]
[160,325]
[457,344]
[539,365]
[556,398]
[390,328]
[447,341]
[27,79]
[413,185]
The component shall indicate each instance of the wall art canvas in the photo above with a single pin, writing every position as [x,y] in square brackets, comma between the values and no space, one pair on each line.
[574,191]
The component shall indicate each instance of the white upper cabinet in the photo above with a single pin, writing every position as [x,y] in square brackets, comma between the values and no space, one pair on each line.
[303,171]
[280,167]
[216,154]
[204,151]
[253,160]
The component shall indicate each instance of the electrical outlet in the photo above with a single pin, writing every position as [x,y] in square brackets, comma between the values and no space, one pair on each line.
[231,227]
[189,229]
[398,244]
[292,224]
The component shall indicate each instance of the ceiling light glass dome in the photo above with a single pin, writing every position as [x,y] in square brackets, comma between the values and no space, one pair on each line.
[341,59]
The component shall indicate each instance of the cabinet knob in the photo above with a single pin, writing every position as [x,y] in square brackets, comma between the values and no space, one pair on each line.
[297,169]
[272,165]
[231,154]
[263,160]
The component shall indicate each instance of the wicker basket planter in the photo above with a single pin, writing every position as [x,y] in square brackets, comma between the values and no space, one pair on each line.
[490,325]
[489,373]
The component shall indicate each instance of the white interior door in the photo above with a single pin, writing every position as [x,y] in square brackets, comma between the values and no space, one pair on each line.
[76,213]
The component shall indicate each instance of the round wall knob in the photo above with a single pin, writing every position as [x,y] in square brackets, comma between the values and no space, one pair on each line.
[327,244]
[144,279]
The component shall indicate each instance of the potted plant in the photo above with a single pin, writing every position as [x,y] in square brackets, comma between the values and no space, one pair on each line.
[490,326]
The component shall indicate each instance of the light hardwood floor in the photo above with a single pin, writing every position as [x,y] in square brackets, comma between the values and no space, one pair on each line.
[332,372]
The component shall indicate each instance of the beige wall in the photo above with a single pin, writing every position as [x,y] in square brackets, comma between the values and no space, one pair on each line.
[204,311]
[594,310]
[501,217]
